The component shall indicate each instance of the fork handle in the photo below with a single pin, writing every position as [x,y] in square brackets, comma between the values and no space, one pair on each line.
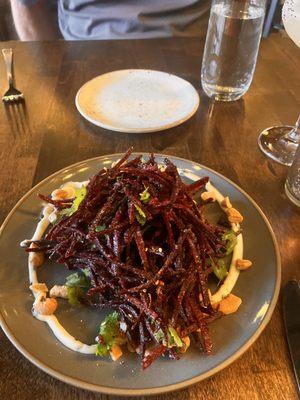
[8,59]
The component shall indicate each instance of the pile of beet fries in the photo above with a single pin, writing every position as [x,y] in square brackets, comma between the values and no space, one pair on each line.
[146,244]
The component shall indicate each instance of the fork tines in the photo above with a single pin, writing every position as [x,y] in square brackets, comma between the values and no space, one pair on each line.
[12,94]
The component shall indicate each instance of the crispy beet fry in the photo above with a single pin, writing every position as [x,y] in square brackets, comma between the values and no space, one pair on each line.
[153,355]
[145,253]
[64,203]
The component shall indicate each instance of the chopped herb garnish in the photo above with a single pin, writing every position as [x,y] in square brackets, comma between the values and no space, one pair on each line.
[219,268]
[230,238]
[101,350]
[159,335]
[77,285]
[140,215]
[173,338]
[100,228]
[145,196]
[108,334]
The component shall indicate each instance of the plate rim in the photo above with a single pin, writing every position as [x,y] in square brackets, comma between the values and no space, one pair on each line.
[137,130]
[161,389]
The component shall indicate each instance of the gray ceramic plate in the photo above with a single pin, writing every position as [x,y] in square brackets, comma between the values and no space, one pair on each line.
[232,335]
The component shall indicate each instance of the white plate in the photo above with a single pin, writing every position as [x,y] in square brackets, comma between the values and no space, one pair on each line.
[137,100]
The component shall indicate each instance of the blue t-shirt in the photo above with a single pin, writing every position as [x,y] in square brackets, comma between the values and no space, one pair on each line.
[127,19]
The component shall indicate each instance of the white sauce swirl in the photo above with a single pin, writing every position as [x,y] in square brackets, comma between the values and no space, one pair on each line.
[59,331]
[233,273]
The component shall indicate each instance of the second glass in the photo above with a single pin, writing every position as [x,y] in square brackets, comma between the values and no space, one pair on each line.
[292,184]
[281,142]
[231,47]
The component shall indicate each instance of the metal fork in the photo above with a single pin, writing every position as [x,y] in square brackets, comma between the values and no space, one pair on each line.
[12,94]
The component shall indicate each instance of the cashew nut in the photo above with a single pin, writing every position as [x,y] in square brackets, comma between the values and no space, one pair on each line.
[186,344]
[243,264]
[234,216]
[208,196]
[67,192]
[38,287]
[36,259]
[45,307]
[230,304]
[59,291]
[226,202]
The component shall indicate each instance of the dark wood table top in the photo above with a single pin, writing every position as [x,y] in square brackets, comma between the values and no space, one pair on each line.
[221,136]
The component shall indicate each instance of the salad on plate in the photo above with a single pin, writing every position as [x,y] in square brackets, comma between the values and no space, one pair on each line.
[138,244]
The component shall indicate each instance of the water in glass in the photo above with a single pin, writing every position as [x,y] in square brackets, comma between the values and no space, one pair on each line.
[231,47]
[292,184]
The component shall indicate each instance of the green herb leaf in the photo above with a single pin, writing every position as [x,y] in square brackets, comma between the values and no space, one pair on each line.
[110,328]
[173,338]
[219,269]
[79,279]
[100,228]
[230,238]
[140,215]
[74,294]
[101,350]
[109,332]
[159,335]
[77,285]
[86,272]
[79,196]
[145,196]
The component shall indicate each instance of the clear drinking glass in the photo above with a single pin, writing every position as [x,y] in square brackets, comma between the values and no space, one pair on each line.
[292,183]
[231,47]
[280,142]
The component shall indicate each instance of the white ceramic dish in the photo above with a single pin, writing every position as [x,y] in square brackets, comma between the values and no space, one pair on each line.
[137,100]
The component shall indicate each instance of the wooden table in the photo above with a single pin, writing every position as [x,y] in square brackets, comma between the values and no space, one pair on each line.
[221,136]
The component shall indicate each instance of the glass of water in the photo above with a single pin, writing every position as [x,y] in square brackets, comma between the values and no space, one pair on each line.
[292,183]
[231,47]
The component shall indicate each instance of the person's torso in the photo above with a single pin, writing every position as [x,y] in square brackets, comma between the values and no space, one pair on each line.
[125,19]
